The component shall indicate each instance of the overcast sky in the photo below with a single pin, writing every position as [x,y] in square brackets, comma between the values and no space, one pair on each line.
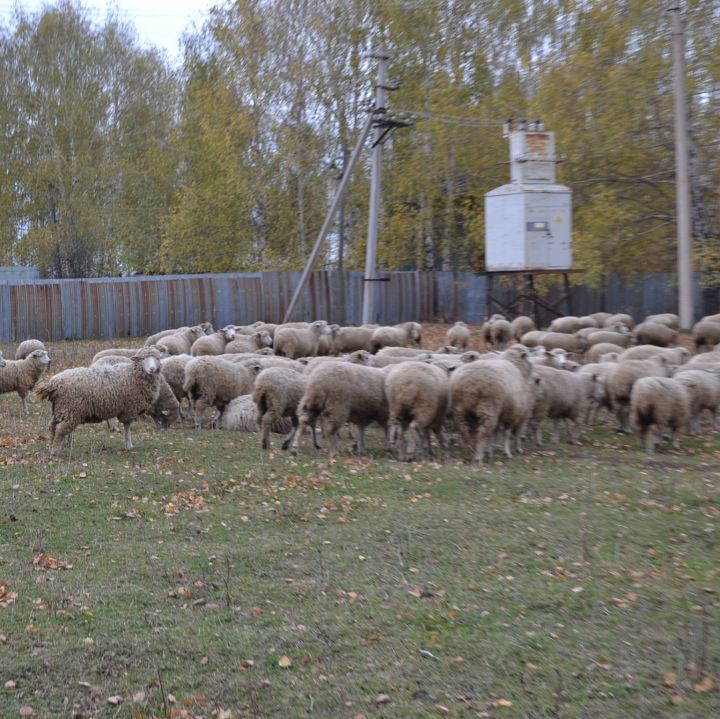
[158,22]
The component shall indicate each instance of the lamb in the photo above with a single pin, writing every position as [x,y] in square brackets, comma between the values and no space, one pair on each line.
[351,339]
[213,382]
[623,376]
[26,347]
[706,334]
[214,344]
[94,394]
[296,342]
[458,336]
[653,333]
[595,352]
[277,394]
[181,342]
[341,392]
[248,343]
[564,396]
[403,335]
[665,318]
[418,399]
[241,416]
[623,339]
[490,395]
[704,391]
[521,325]
[675,355]
[659,402]
[22,375]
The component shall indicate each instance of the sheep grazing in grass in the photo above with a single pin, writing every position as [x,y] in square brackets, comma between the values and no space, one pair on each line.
[520,326]
[296,342]
[533,338]
[403,335]
[492,395]
[418,397]
[341,392]
[707,360]
[703,387]
[706,334]
[623,376]
[654,333]
[22,375]
[248,343]
[214,344]
[559,340]
[241,416]
[656,404]
[214,382]
[458,336]
[26,347]
[98,393]
[277,394]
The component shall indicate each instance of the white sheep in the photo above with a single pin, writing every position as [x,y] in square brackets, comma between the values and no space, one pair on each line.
[704,390]
[22,375]
[97,393]
[623,338]
[706,334]
[520,326]
[491,395]
[214,344]
[622,377]
[241,416]
[559,340]
[595,352]
[665,318]
[654,333]
[659,403]
[26,347]
[402,335]
[296,342]
[206,328]
[340,392]
[277,394]
[214,382]
[351,339]
[418,397]
[707,360]
[675,355]
[458,336]
[181,342]
[248,343]
[619,318]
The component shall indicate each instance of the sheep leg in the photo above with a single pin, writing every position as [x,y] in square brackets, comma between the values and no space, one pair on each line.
[538,434]
[298,435]
[519,436]
[333,440]
[126,436]
[360,429]
[480,447]
[265,423]
[288,440]
[506,443]
[26,411]
[62,429]
[695,422]
[313,431]
[555,436]
[441,441]
[674,436]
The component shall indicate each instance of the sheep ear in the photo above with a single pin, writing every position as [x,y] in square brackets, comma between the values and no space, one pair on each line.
[166,412]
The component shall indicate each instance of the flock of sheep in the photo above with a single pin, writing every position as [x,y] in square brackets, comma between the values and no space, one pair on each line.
[291,378]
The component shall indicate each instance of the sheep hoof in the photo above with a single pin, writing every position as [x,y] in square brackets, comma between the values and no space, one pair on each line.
[294,452]
[285,444]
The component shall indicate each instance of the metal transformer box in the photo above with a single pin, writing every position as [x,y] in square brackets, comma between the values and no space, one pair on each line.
[528,227]
[528,223]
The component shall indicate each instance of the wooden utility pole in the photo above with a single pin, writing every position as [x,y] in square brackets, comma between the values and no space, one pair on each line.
[682,175]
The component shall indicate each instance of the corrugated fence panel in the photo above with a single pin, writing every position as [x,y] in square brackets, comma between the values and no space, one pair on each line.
[138,306]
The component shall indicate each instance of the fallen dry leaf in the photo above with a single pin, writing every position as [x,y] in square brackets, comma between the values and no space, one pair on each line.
[670,679]
[382,699]
[442,709]
[6,596]
[47,561]
[10,684]
[114,700]
[139,697]
[502,703]
[285,662]
[706,684]
[26,711]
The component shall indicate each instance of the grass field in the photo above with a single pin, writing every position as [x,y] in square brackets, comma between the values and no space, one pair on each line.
[200,577]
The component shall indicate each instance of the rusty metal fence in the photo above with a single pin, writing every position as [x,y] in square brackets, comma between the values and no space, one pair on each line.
[137,306]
